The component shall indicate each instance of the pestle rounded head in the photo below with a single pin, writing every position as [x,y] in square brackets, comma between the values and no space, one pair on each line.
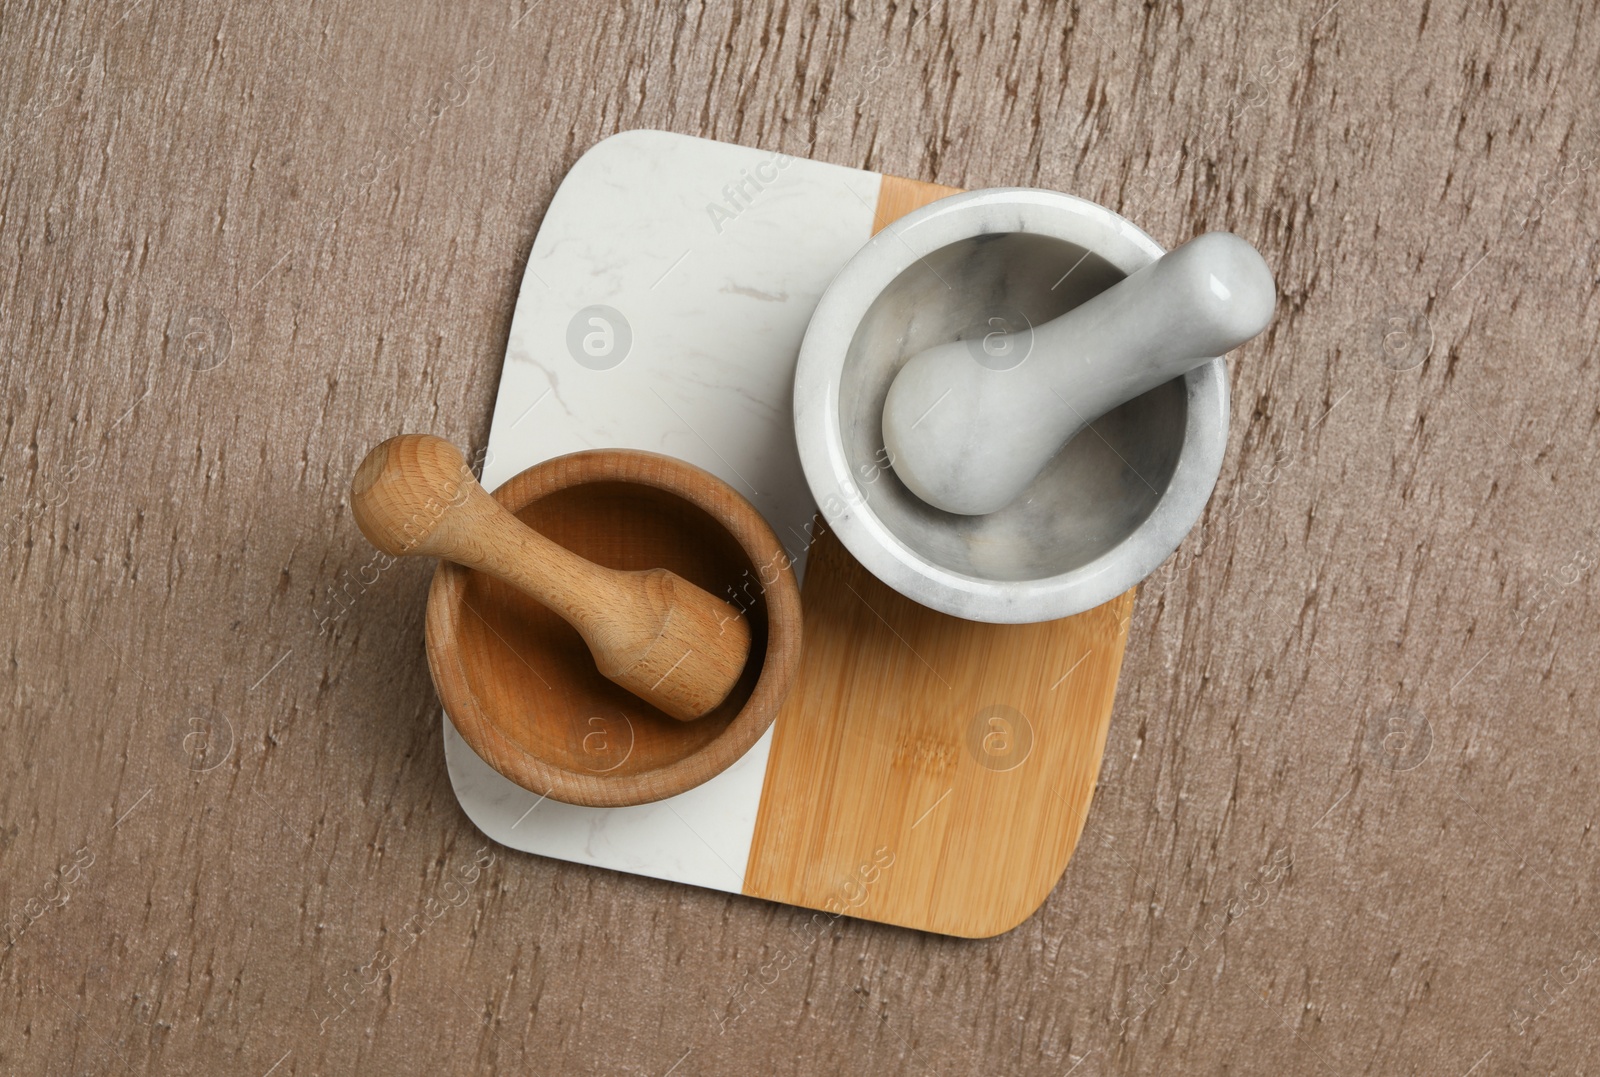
[933,444]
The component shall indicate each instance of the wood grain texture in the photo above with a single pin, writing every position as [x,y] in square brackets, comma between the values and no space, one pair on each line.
[944,749]
[928,771]
[239,245]
[898,196]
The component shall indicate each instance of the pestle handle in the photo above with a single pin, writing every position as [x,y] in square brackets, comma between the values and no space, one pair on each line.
[654,633]
[415,495]
[1204,298]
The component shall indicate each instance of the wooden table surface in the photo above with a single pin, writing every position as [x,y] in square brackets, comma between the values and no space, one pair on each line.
[1347,817]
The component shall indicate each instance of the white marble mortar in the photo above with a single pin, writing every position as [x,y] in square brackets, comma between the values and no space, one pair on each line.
[1102,515]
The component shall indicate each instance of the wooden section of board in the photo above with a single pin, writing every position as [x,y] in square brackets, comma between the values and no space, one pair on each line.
[929,771]
[897,197]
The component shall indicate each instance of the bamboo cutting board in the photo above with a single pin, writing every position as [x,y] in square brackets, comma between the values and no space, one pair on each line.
[926,771]
[956,758]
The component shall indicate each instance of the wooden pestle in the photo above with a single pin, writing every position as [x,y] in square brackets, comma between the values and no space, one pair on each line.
[653,632]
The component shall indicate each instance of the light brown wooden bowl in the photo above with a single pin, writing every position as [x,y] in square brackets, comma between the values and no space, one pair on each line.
[519,683]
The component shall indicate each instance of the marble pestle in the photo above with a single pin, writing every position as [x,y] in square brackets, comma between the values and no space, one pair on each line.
[969,424]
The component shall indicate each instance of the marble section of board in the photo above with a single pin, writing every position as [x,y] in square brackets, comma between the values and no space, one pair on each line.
[662,308]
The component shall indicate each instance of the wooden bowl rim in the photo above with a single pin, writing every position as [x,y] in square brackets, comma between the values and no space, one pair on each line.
[755,537]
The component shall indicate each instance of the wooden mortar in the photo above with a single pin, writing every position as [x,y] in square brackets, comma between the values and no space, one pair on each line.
[518,682]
